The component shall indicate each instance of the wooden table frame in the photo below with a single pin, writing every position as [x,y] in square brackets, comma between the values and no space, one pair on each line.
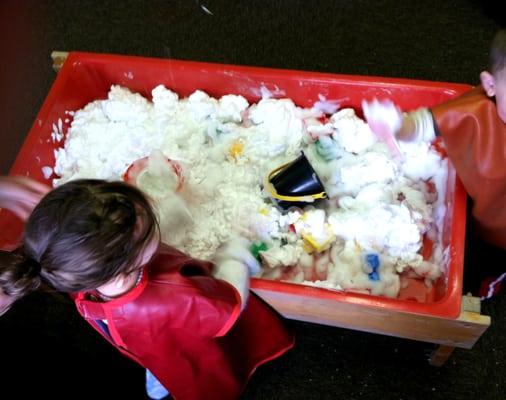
[445,333]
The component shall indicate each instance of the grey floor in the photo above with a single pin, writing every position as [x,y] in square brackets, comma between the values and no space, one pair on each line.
[49,352]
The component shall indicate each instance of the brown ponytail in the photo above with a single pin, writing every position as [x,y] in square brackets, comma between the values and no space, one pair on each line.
[19,275]
[80,236]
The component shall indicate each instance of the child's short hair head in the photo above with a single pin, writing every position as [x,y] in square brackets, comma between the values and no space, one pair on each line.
[81,235]
[497,56]
[493,81]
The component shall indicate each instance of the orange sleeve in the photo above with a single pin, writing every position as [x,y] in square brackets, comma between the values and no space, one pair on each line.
[475,140]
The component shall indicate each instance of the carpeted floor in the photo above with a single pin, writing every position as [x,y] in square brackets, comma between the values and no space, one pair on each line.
[48,352]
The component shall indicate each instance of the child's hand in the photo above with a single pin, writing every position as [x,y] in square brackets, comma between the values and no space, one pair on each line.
[238,248]
[20,194]
[385,120]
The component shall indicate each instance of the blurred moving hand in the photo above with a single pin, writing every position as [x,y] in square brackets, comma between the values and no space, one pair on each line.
[385,120]
[20,194]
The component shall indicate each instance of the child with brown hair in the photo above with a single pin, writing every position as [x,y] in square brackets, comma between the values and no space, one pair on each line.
[473,131]
[191,323]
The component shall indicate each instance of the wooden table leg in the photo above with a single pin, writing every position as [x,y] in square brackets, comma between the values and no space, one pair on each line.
[442,352]
[58,58]
[440,355]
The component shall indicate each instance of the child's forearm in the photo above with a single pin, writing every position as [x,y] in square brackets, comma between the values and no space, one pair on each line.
[235,273]
[235,264]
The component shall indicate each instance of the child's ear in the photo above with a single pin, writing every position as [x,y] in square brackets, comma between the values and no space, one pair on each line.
[487,81]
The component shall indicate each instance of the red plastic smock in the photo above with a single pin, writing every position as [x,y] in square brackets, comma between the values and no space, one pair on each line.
[475,139]
[186,327]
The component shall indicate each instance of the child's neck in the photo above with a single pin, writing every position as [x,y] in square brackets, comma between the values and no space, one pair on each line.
[121,284]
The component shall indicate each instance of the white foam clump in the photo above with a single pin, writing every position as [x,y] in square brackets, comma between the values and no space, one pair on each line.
[351,132]
[226,147]
[102,143]
[384,226]
[278,120]
[350,174]
[106,136]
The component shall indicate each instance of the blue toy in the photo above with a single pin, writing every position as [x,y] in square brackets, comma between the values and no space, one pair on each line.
[372,259]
